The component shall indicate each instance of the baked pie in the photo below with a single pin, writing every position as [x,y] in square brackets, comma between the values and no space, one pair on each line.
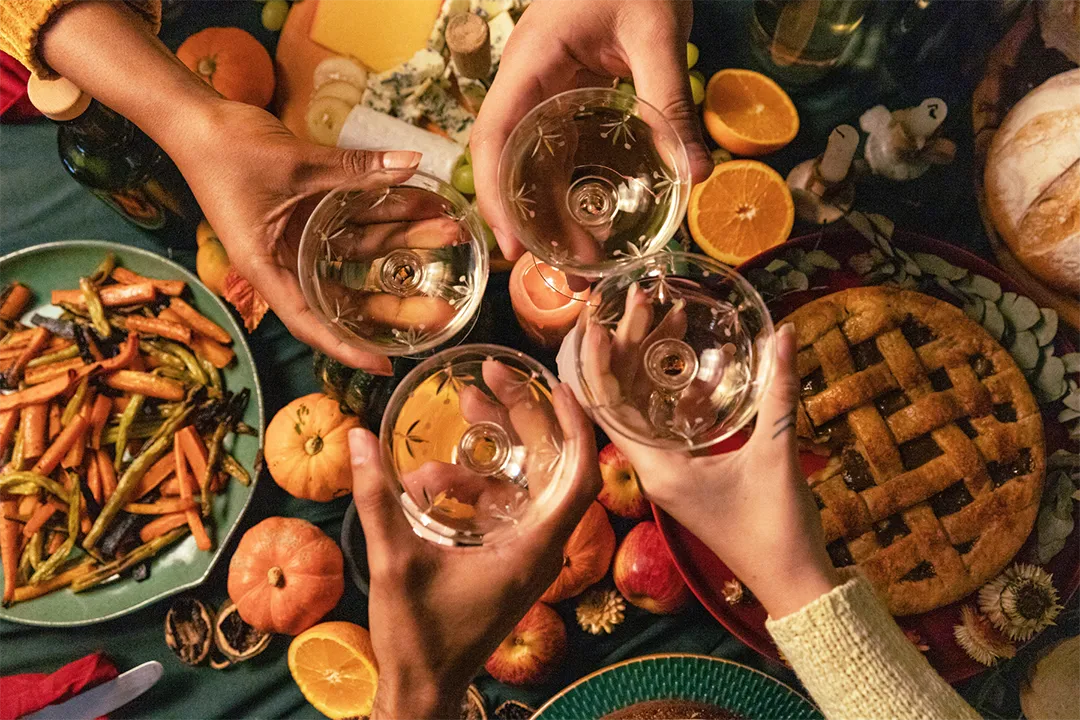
[936,443]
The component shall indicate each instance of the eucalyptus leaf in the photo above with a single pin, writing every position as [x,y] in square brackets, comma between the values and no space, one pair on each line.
[777,265]
[1022,313]
[861,263]
[910,283]
[1072,401]
[876,255]
[994,321]
[975,308]
[882,224]
[1025,350]
[934,265]
[901,276]
[948,287]
[985,287]
[909,263]
[1008,299]
[796,280]
[1067,415]
[1072,362]
[805,266]
[1046,329]
[860,222]
[1051,379]
[822,259]
[765,282]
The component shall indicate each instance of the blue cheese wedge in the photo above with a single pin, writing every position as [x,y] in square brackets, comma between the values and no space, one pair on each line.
[388,91]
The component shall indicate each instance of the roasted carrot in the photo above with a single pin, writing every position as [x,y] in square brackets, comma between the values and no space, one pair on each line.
[111,295]
[29,352]
[60,580]
[183,478]
[35,421]
[59,447]
[167,287]
[145,384]
[93,479]
[194,450]
[161,525]
[129,352]
[55,344]
[15,300]
[9,547]
[107,474]
[218,355]
[157,473]
[77,451]
[55,541]
[157,326]
[170,487]
[161,507]
[40,517]
[99,415]
[199,322]
[38,393]
[18,338]
[9,420]
[44,373]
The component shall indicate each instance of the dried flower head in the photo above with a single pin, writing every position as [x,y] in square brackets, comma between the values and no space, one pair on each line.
[1020,601]
[599,611]
[735,592]
[980,639]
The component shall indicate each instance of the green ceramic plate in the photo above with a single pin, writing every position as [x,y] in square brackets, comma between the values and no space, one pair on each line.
[59,265]
[736,688]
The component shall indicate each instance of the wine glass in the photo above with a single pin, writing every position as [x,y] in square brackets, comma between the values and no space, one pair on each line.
[592,179]
[395,265]
[472,444]
[674,351]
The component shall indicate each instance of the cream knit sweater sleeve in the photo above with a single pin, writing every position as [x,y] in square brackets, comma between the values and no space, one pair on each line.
[22,20]
[857,663]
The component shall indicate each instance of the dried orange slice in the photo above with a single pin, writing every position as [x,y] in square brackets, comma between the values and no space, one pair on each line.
[334,666]
[749,114]
[742,209]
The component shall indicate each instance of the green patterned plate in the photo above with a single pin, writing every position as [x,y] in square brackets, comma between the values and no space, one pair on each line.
[736,688]
[59,265]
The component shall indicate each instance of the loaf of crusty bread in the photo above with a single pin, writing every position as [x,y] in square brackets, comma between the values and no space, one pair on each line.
[1033,181]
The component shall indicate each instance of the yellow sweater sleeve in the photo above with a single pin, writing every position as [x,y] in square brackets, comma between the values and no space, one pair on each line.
[857,663]
[22,20]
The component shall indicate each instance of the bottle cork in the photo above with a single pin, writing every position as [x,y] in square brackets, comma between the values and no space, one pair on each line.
[59,99]
[470,45]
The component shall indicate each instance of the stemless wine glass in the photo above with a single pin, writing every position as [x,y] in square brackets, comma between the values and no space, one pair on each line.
[395,265]
[674,351]
[593,178]
[472,444]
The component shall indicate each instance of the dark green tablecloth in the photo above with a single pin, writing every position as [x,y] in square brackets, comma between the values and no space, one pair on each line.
[39,203]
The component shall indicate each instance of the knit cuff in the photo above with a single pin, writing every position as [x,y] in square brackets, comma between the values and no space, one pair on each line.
[857,663]
[23,20]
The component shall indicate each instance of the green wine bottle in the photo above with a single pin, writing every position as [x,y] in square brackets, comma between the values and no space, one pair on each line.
[107,154]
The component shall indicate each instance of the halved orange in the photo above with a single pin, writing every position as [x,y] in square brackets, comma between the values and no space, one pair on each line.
[742,209]
[749,114]
[335,667]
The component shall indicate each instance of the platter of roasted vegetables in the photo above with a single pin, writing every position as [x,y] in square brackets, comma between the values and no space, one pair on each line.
[130,431]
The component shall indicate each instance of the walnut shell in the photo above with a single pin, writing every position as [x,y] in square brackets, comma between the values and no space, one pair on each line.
[237,640]
[189,630]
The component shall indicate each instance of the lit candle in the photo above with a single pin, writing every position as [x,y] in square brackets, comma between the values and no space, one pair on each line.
[545,306]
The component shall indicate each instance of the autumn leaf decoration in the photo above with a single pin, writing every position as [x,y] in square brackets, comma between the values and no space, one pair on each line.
[246,299]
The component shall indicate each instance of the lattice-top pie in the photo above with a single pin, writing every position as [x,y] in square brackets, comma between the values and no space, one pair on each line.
[937,459]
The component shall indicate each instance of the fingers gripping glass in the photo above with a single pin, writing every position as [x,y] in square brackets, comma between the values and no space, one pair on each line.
[674,351]
[395,265]
[592,179]
[473,446]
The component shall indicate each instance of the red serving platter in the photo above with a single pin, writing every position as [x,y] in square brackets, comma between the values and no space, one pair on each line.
[706,574]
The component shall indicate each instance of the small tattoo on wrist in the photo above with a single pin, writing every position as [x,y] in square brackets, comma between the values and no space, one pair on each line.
[784,424]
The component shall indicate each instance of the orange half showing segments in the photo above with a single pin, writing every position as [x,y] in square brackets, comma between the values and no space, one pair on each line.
[742,209]
[334,665]
[749,114]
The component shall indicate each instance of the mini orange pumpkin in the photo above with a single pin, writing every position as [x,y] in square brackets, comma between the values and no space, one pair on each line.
[233,62]
[307,448]
[586,557]
[285,575]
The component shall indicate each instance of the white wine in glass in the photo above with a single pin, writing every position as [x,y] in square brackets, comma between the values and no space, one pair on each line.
[592,179]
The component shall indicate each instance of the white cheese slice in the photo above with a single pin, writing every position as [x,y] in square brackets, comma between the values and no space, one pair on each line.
[367,129]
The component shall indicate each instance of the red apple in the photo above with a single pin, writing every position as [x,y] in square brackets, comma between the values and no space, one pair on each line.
[621,492]
[645,573]
[532,650]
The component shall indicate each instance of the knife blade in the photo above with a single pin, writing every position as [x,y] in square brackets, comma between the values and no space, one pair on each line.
[104,698]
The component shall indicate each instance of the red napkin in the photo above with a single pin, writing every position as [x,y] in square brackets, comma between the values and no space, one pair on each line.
[15,106]
[23,694]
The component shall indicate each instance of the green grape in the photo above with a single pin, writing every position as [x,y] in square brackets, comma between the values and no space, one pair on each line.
[692,54]
[462,180]
[626,88]
[698,89]
[273,14]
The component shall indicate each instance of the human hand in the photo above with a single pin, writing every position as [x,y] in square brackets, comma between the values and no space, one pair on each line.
[438,612]
[752,507]
[562,44]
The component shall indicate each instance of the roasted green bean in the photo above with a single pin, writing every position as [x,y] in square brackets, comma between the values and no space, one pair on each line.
[235,470]
[65,354]
[126,419]
[95,308]
[189,360]
[104,269]
[136,556]
[11,480]
[75,403]
[57,558]
[214,376]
